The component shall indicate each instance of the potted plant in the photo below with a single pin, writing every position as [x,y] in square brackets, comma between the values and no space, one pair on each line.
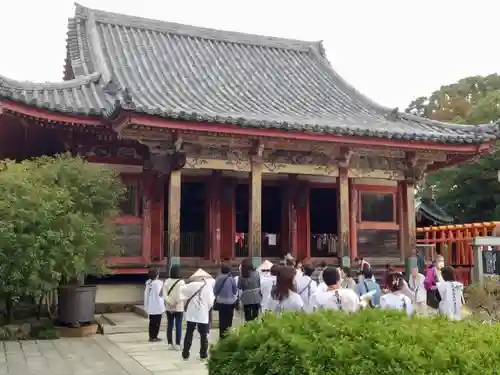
[55,230]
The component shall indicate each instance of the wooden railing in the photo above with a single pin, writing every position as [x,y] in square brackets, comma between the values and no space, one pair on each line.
[324,245]
[455,241]
[192,244]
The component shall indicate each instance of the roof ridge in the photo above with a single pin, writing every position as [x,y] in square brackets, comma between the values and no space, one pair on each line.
[30,85]
[101,16]
[393,113]
[349,89]
[448,125]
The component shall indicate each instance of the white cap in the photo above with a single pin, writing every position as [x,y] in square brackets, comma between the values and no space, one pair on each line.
[265,266]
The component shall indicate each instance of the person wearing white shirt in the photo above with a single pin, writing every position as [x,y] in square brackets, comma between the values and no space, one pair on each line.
[284,296]
[452,295]
[154,304]
[266,285]
[347,280]
[199,299]
[334,296]
[322,287]
[306,287]
[396,299]
[418,292]
[175,307]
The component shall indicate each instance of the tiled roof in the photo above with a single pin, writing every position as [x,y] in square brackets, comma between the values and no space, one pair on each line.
[81,96]
[429,209]
[184,72]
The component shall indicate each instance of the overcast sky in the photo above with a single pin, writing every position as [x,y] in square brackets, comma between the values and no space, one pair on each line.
[391,50]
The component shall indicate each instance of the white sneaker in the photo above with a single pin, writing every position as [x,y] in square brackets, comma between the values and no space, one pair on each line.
[177,348]
[171,347]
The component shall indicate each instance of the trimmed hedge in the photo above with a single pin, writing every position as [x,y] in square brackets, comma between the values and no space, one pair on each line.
[372,342]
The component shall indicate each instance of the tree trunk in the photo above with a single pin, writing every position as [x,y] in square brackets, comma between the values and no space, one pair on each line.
[39,308]
[9,308]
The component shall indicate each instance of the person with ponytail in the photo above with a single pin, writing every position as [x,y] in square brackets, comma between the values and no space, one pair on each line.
[284,296]
[396,299]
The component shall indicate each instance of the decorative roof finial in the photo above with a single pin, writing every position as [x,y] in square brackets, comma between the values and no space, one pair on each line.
[393,115]
[111,87]
[321,49]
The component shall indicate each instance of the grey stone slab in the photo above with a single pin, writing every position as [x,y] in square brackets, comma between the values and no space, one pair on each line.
[98,355]
[127,362]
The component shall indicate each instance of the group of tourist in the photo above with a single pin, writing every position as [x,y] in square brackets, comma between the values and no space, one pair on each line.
[289,286]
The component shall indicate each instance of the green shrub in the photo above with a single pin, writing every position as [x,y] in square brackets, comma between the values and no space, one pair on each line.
[47,333]
[372,342]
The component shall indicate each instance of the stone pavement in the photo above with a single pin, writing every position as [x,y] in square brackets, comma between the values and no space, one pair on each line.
[120,354]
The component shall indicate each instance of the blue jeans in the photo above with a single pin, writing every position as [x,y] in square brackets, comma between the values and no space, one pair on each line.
[174,317]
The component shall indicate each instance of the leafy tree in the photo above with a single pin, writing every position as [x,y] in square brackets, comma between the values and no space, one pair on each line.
[54,225]
[469,192]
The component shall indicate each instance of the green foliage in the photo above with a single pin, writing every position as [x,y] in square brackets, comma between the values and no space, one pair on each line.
[469,192]
[46,333]
[372,342]
[53,226]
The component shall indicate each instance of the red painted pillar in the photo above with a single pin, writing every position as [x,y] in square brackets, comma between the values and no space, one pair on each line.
[213,223]
[286,233]
[302,222]
[227,218]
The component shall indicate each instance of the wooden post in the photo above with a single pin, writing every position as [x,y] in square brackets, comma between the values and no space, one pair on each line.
[289,217]
[255,227]
[146,217]
[410,230]
[228,222]
[214,217]
[157,217]
[285,218]
[402,219]
[353,220]
[344,217]
[174,218]
[301,224]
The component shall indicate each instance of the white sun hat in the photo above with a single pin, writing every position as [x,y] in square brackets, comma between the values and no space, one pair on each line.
[265,266]
[200,274]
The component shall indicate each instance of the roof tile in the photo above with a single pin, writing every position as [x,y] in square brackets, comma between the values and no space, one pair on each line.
[185,72]
[81,96]
[198,74]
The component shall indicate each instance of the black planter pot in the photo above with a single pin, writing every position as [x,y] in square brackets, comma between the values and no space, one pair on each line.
[76,304]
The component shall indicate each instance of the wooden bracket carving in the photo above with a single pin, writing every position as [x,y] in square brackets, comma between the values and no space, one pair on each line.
[257,150]
[121,126]
[414,171]
[164,157]
[344,157]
